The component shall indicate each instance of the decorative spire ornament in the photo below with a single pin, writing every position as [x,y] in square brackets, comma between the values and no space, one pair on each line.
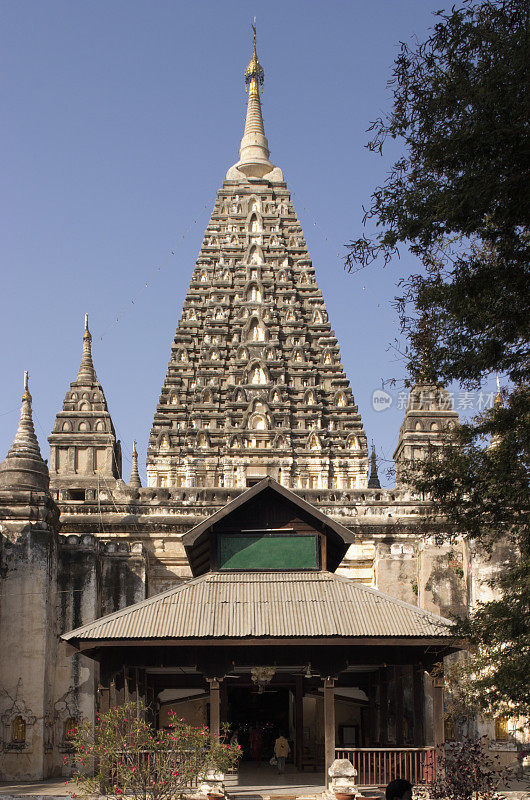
[134,480]
[373,481]
[87,374]
[254,150]
[23,467]
[498,397]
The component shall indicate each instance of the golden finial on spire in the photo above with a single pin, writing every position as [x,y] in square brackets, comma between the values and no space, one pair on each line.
[254,73]
[498,396]
[26,395]
[86,334]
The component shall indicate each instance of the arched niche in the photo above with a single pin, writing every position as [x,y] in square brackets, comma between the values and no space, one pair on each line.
[298,355]
[257,422]
[255,224]
[257,375]
[255,331]
[254,204]
[253,293]
[313,442]
[255,255]
[18,730]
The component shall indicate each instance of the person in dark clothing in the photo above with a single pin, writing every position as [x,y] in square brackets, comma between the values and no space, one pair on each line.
[399,789]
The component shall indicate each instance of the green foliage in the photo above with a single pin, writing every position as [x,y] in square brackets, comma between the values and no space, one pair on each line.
[460,195]
[123,755]
[482,492]
[459,199]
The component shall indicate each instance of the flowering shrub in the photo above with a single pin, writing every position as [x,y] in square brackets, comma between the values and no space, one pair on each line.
[123,755]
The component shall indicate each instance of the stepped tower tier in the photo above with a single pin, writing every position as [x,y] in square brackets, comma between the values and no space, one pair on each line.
[255,385]
[84,452]
[429,416]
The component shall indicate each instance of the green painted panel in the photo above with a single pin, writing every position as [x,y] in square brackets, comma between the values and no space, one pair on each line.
[267,551]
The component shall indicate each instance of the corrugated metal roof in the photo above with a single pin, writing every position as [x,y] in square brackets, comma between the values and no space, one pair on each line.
[282,605]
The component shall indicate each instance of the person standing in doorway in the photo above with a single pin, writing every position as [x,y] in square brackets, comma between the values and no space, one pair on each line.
[281,751]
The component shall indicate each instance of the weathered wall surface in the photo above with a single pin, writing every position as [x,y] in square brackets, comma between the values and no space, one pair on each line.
[27,632]
[75,675]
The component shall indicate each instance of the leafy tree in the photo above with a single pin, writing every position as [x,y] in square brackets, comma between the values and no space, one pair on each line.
[123,755]
[459,198]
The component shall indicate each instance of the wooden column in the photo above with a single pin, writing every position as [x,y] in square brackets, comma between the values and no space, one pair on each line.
[299,721]
[215,707]
[418,699]
[370,738]
[383,707]
[103,699]
[224,701]
[329,725]
[398,704]
[126,686]
[438,715]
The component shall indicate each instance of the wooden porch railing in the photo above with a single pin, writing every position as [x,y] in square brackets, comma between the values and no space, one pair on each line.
[146,762]
[377,766]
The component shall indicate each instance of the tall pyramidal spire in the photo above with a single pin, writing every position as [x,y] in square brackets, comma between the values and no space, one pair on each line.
[255,386]
[373,481]
[134,480]
[23,466]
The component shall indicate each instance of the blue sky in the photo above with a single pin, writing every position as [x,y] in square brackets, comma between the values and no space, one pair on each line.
[121,119]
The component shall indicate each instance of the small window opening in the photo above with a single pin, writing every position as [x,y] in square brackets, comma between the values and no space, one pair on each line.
[76,494]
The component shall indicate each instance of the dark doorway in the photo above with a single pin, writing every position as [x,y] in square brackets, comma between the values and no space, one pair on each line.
[249,709]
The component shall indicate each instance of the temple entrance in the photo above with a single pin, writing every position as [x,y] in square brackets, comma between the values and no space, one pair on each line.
[258,718]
